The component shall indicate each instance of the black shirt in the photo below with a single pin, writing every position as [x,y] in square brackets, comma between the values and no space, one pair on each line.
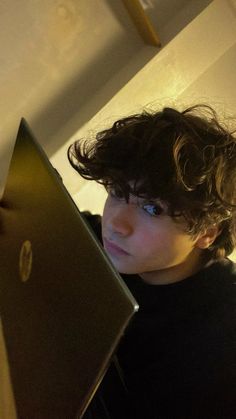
[178,355]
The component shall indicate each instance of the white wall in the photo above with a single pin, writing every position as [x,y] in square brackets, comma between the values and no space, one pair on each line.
[169,24]
[198,65]
[59,61]
[63,60]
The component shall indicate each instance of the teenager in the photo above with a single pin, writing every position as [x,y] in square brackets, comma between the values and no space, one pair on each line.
[168,228]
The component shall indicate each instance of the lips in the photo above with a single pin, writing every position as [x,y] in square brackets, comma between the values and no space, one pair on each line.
[113,248]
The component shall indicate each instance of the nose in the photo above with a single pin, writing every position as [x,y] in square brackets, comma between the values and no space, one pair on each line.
[121,220]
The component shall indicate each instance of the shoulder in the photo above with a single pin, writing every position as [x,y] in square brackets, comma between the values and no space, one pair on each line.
[222,272]
[218,284]
[218,298]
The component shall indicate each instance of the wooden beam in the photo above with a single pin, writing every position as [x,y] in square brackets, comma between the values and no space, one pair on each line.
[142,22]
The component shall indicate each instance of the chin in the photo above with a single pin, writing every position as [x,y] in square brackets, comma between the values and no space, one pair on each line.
[125,269]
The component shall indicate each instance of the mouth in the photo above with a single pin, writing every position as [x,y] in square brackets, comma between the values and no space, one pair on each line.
[113,249]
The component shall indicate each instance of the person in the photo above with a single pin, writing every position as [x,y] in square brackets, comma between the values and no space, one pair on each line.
[168,227]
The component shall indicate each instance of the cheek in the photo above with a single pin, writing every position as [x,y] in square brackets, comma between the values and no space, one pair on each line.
[164,243]
[105,215]
[150,241]
[105,209]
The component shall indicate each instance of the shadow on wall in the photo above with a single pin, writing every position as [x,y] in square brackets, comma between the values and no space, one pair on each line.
[84,96]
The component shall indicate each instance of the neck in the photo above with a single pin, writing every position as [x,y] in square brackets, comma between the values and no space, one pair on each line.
[195,262]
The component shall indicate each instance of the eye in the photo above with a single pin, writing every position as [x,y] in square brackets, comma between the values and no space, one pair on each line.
[153,209]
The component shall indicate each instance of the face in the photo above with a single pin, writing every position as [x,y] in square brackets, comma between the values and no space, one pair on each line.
[140,238]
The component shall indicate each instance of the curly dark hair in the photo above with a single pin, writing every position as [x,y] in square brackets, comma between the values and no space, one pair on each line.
[187,159]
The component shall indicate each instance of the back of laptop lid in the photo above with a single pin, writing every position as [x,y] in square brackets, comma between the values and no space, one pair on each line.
[63,306]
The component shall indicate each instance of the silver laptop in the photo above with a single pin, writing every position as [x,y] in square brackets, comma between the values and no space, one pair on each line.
[63,307]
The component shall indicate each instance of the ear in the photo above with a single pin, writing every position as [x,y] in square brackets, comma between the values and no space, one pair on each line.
[207,238]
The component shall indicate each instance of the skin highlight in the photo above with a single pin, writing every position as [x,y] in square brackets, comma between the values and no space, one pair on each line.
[153,246]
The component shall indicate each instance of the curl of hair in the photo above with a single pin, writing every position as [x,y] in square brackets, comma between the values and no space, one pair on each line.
[187,159]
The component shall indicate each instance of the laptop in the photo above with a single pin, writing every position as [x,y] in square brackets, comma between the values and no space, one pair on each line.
[63,307]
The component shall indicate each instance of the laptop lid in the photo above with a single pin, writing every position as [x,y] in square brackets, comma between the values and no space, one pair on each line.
[63,307]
